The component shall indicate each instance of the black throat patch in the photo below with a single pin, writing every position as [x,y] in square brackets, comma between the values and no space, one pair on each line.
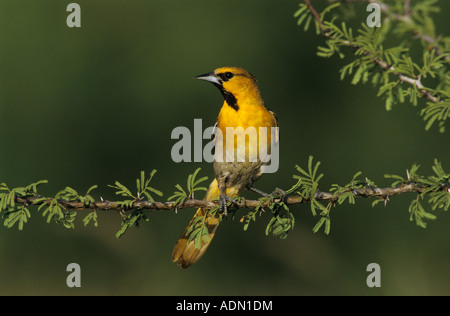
[228,97]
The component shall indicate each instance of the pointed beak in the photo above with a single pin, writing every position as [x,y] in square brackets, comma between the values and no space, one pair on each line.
[210,77]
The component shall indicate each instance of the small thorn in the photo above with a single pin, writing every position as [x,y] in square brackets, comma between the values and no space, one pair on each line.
[386,199]
[407,175]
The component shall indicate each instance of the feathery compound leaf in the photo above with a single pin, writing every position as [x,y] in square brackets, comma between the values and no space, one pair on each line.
[121,189]
[178,196]
[251,216]
[198,231]
[395,68]
[91,189]
[32,188]
[308,182]
[132,219]
[440,199]
[18,216]
[441,175]
[144,188]
[280,224]
[87,198]
[194,183]
[91,217]
[192,186]
[319,224]
[436,112]
[418,213]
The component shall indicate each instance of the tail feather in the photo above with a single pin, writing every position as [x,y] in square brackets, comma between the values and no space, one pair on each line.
[185,253]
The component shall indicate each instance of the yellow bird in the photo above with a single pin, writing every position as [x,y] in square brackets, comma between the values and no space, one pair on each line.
[237,164]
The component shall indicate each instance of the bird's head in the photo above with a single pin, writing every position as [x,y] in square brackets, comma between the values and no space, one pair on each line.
[233,82]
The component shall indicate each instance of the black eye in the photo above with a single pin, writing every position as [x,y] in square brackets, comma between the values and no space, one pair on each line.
[229,75]
[226,76]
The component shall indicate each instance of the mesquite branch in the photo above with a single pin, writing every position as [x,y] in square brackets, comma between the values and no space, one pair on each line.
[415,82]
[381,193]
[405,18]
[67,203]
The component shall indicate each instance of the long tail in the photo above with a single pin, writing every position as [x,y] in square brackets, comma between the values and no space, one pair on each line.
[185,253]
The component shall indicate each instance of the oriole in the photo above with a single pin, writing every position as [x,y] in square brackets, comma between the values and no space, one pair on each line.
[243,107]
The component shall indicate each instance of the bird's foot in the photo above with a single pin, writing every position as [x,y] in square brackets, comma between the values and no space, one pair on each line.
[277,194]
[223,203]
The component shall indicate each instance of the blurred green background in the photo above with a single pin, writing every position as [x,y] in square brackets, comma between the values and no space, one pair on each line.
[97,104]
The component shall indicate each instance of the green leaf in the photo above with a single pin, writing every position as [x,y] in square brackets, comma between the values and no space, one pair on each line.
[251,216]
[91,217]
[121,189]
[281,223]
[358,74]
[91,189]
[192,186]
[418,213]
[327,225]
[319,224]
[132,219]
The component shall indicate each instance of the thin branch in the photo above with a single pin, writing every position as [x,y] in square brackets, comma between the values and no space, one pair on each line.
[413,82]
[407,7]
[316,16]
[404,18]
[381,193]
[382,64]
